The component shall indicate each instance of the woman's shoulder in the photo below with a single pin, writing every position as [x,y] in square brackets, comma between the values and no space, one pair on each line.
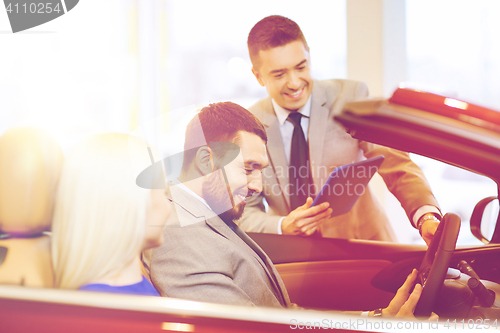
[141,288]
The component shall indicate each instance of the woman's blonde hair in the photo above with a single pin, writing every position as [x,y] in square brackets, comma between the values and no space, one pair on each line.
[99,219]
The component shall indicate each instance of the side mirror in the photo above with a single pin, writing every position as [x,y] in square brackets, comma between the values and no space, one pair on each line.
[483,221]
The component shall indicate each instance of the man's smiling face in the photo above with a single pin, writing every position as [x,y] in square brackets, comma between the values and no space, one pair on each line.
[243,175]
[285,72]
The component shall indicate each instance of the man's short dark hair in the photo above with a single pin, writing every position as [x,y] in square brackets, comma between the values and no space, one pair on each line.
[220,122]
[270,32]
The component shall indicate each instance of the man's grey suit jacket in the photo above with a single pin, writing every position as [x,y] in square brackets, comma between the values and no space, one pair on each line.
[331,146]
[202,259]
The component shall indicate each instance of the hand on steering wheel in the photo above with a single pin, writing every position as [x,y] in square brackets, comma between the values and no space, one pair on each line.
[435,264]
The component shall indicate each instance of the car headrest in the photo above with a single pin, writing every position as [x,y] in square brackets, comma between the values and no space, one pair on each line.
[30,166]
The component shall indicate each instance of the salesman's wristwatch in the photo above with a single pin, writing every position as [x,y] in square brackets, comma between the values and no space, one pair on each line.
[426,217]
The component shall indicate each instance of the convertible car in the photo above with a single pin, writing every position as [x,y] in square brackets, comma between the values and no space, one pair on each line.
[461,284]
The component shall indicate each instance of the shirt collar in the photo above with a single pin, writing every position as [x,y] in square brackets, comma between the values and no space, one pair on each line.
[188,190]
[282,114]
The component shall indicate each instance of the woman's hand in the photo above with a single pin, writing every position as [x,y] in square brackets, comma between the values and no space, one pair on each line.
[405,301]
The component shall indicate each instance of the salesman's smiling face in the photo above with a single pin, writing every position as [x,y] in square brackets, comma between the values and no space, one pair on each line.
[285,72]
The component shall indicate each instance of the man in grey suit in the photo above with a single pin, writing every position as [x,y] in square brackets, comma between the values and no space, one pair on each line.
[281,63]
[205,255]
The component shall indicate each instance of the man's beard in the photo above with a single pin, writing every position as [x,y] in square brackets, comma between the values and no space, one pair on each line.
[218,196]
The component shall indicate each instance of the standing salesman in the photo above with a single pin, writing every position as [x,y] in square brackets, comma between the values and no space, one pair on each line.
[305,144]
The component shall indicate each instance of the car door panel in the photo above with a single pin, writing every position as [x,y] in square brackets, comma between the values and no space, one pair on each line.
[335,285]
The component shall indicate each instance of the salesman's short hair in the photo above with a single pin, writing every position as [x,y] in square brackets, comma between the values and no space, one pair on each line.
[273,31]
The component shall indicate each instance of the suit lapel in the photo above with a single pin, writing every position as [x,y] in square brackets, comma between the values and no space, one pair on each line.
[250,247]
[278,284]
[202,213]
[275,149]
[317,128]
[190,204]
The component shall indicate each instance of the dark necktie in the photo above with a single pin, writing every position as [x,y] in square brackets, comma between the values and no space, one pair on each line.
[298,170]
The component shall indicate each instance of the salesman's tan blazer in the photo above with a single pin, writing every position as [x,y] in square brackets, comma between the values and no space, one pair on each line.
[331,146]
[202,259]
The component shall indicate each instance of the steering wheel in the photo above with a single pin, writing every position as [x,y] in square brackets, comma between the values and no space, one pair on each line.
[435,264]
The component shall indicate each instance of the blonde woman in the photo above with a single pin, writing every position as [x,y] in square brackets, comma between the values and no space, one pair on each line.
[103,220]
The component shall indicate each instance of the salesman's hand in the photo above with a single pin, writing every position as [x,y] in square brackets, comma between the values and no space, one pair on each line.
[428,229]
[404,303]
[305,219]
